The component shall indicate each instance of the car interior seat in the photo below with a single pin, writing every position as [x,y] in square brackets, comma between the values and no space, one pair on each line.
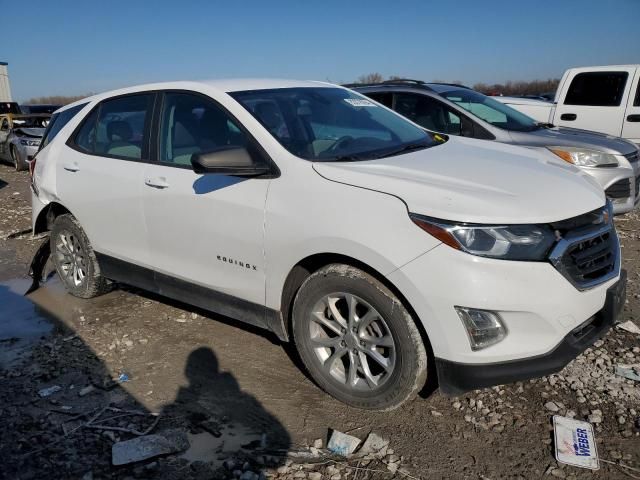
[119,135]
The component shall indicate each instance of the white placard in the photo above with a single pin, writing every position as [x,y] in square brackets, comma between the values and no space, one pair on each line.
[575,443]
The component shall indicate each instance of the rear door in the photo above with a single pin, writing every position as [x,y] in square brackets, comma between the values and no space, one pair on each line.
[595,100]
[631,124]
[204,230]
[100,176]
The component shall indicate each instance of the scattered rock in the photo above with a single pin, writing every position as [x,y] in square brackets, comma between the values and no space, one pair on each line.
[342,444]
[551,406]
[46,392]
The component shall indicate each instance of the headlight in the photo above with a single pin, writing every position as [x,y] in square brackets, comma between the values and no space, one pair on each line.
[581,157]
[30,143]
[507,242]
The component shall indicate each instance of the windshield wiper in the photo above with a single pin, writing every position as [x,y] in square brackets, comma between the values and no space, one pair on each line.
[404,149]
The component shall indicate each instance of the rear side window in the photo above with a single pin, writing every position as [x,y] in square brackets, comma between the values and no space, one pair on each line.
[385,98]
[428,113]
[57,123]
[118,128]
[601,89]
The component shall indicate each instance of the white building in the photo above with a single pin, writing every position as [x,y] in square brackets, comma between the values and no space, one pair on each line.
[5,87]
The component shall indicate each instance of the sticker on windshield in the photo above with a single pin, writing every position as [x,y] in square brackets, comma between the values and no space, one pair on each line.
[359,102]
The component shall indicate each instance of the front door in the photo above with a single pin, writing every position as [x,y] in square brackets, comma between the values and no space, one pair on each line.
[631,124]
[5,128]
[595,100]
[206,232]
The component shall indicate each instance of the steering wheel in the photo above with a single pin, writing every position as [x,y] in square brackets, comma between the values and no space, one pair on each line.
[341,142]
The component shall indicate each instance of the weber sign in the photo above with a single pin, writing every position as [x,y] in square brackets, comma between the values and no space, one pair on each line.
[575,443]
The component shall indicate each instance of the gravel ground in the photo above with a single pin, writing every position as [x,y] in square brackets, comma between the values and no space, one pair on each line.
[242,401]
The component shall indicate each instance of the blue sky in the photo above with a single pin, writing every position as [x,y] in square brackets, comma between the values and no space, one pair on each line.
[76,47]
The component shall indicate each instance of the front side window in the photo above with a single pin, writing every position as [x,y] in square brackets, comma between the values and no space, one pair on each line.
[428,113]
[602,89]
[193,124]
[491,111]
[332,124]
[117,128]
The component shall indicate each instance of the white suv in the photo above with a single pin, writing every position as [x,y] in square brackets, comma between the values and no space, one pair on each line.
[385,253]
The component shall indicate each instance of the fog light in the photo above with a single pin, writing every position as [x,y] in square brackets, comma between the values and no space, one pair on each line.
[484,327]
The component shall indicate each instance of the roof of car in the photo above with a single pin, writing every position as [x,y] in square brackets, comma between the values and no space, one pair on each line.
[226,85]
[520,100]
[437,87]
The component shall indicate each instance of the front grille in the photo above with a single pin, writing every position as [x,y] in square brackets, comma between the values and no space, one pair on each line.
[620,189]
[589,254]
[590,259]
[633,157]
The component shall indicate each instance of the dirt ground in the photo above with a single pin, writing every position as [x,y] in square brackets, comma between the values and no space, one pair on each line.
[235,391]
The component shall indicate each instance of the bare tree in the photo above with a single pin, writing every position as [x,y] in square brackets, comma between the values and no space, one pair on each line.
[370,78]
[55,99]
[533,87]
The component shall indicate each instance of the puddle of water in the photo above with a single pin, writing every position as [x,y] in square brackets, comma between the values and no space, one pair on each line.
[207,448]
[22,323]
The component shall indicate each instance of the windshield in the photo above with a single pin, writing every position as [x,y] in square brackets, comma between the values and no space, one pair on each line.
[332,124]
[491,111]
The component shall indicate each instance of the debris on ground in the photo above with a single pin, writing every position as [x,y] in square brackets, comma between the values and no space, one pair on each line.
[148,446]
[631,372]
[629,326]
[46,392]
[342,444]
[575,443]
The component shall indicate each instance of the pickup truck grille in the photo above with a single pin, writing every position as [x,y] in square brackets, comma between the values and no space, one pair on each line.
[589,255]
[620,189]
[633,157]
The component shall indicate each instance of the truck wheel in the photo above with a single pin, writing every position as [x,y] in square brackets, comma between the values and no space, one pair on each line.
[18,163]
[357,340]
[75,260]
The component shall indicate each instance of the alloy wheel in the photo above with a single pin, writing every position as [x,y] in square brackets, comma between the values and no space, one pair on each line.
[352,341]
[71,258]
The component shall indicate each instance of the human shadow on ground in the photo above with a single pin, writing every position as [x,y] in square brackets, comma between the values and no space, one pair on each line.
[59,435]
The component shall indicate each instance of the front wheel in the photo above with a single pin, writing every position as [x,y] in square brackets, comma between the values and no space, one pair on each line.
[18,163]
[74,259]
[357,340]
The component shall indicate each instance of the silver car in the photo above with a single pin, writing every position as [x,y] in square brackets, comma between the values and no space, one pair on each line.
[458,110]
[20,137]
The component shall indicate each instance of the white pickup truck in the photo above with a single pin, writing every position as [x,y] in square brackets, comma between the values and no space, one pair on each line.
[603,99]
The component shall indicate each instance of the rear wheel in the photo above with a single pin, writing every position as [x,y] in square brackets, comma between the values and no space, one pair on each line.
[18,163]
[357,340]
[75,260]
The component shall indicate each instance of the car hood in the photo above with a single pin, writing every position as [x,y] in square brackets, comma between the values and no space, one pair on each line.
[30,132]
[573,137]
[476,181]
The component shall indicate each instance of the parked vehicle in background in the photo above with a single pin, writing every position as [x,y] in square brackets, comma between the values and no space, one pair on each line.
[458,110]
[39,108]
[307,209]
[602,99]
[9,108]
[20,137]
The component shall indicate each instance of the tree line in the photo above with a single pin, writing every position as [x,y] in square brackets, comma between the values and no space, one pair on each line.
[533,87]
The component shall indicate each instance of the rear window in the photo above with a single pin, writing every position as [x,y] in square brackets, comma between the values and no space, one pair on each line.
[57,123]
[601,89]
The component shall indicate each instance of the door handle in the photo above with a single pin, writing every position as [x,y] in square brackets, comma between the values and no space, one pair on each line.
[633,118]
[568,116]
[71,166]
[156,182]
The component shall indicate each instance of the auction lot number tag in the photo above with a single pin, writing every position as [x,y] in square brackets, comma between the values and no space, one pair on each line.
[575,443]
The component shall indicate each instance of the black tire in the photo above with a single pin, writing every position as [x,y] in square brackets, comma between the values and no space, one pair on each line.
[67,231]
[18,163]
[409,357]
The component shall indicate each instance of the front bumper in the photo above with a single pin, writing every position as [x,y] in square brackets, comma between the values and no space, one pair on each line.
[621,185]
[456,378]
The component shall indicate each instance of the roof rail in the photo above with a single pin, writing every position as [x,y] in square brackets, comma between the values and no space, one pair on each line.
[451,85]
[404,80]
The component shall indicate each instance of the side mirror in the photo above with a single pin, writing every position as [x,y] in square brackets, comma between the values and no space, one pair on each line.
[234,161]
